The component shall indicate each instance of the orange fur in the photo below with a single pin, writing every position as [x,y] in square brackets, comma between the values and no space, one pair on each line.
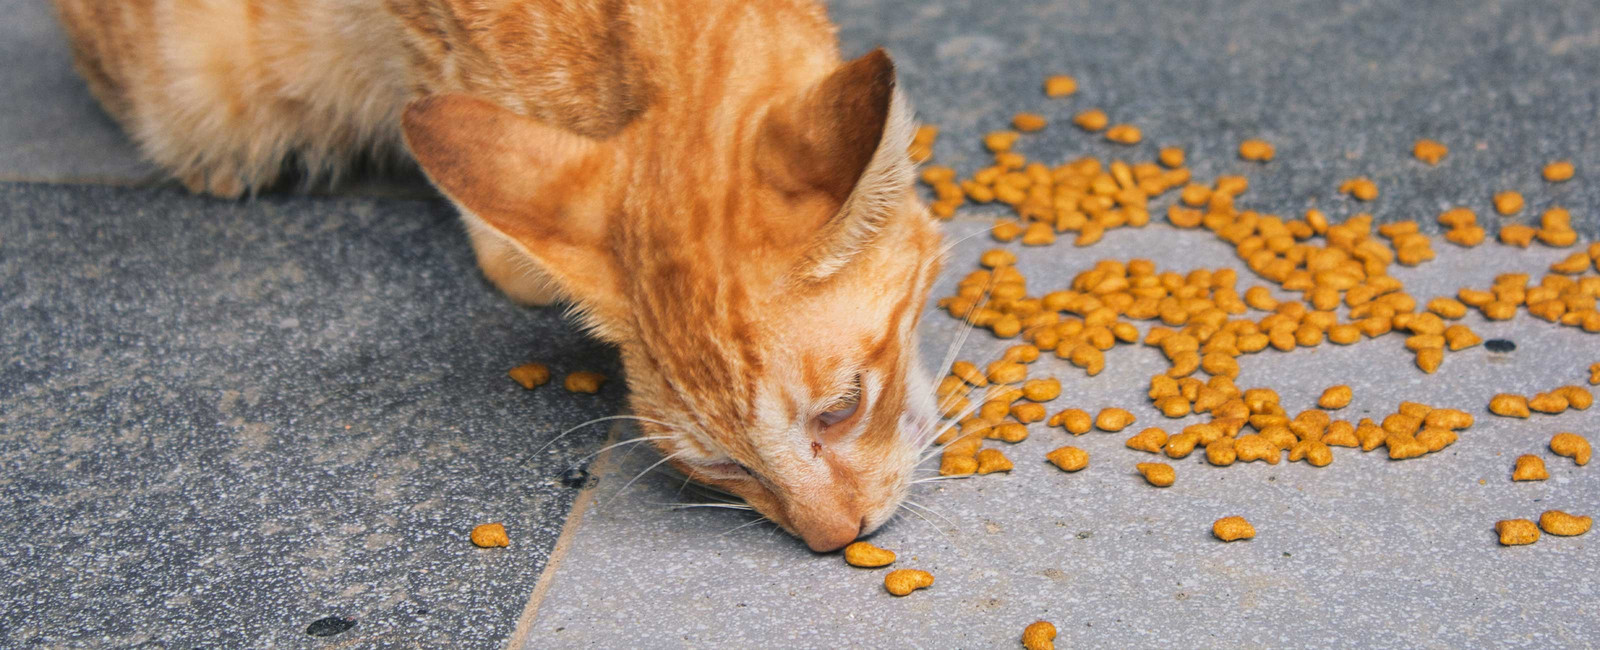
[709,185]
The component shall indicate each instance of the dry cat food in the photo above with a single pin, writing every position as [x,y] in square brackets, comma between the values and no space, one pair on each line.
[531,375]
[1560,523]
[1572,446]
[583,381]
[1157,474]
[901,582]
[490,535]
[1256,150]
[1336,397]
[1529,468]
[1558,171]
[1069,459]
[1429,151]
[1113,419]
[991,461]
[865,555]
[1060,86]
[1039,635]
[1229,529]
[1516,532]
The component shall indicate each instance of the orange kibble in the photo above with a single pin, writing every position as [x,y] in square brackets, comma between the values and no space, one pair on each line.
[1429,151]
[1028,122]
[1516,532]
[1256,150]
[1230,529]
[1171,157]
[1060,86]
[1091,120]
[1508,203]
[1558,171]
[530,376]
[490,536]
[1336,397]
[1361,188]
[1157,474]
[1124,134]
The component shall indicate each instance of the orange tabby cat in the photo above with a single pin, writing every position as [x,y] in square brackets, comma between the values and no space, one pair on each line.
[716,193]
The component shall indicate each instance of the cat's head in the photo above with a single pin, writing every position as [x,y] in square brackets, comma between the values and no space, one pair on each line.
[762,269]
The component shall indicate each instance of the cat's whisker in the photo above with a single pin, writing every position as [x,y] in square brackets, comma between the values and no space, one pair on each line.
[930,523]
[607,418]
[640,475]
[941,478]
[630,441]
[744,525]
[685,506]
[931,511]
[967,325]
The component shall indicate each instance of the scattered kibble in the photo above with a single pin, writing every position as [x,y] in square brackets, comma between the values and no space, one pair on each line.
[1069,459]
[1516,532]
[1113,419]
[1091,120]
[1529,468]
[1560,523]
[490,536]
[1509,405]
[865,555]
[1028,122]
[901,582]
[1361,188]
[991,461]
[1336,397]
[531,376]
[1151,440]
[1429,151]
[1042,390]
[584,381]
[1571,445]
[1508,203]
[1558,171]
[1124,134]
[1229,529]
[1256,150]
[1039,635]
[1157,474]
[1060,86]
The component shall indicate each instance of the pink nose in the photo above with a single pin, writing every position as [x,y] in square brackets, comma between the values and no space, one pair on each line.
[831,536]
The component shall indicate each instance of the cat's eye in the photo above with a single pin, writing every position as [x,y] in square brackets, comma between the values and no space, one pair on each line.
[842,409]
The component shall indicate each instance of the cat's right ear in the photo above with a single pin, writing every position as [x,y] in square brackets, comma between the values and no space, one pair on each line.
[526,180]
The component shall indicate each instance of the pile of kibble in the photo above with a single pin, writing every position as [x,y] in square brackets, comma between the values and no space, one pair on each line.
[1203,320]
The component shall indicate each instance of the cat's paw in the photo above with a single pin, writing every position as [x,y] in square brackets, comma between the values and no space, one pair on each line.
[223,183]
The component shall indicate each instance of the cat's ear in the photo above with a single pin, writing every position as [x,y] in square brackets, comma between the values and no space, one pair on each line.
[532,183]
[843,143]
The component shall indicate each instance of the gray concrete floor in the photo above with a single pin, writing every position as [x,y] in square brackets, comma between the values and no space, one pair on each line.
[179,374]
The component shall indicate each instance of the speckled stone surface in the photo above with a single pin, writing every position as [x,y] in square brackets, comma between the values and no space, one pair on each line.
[179,372]
[220,422]
[1365,552]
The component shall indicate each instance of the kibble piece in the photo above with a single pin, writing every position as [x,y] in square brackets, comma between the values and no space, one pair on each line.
[1594,370]
[584,381]
[1069,459]
[531,376]
[1558,171]
[1370,434]
[1011,432]
[1157,474]
[1403,445]
[1060,86]
[1256,150]
[1028,413]
[1508,203]
[1529,468]
[1560,523]
[1075,421]
[991,461]
[1314,452]
[1181,445]
[1256,447]
[1091,120]
[1548,403]
[1151,440]
[1039,635]
[968,372]
[1452,419]
[901,582]
[490,536]
[1336,397]
[1428,359]
[1124,134]
[1042,390]
[1171,156]
[1577,397]
[1516,234]
[1436,439]
[1460,337]
[1229,529]
[1113,419]
[1341,434]
[1361,188]
[1516,532]
[1572,446]
[1006,372]
[1429,151]
[957,465]
[1508,405]
[1221,452]
[1000,141]
[867,556]
[1005,231]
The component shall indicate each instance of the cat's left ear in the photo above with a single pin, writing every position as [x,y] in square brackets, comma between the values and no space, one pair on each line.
[842,143]
[534,184]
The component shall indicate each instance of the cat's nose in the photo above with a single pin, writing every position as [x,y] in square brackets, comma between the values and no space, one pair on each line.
[833,536]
